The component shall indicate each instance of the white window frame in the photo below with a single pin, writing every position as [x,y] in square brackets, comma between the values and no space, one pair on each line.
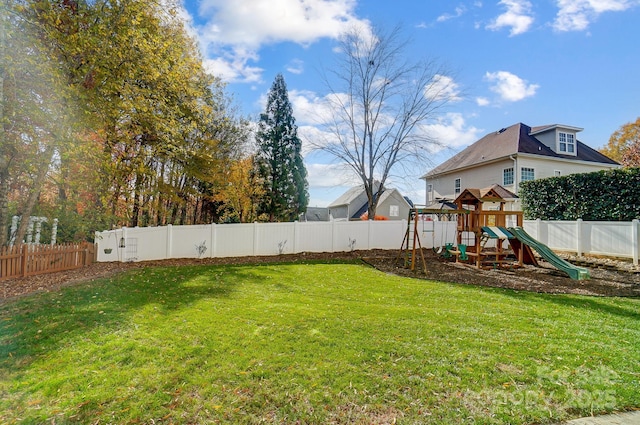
[457,186]
[394,211]
[527,169]
[429,192]
[566,143]
[504,175]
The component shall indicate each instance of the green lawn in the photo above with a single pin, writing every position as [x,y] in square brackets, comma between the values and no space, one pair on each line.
[314,343]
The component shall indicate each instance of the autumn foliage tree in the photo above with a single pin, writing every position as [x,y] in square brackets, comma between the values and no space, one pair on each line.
[37,112]
[240,196]
[624,145]
[130,131]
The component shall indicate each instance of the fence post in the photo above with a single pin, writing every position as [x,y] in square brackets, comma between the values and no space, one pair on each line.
[214,241]
[403,229]
[635,227]
[333,235]
[296,231]
[369,230]
[169,253]
[579,248]
[25,253]
[255,238]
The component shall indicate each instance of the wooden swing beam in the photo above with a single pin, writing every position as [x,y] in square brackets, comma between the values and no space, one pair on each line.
[411,243]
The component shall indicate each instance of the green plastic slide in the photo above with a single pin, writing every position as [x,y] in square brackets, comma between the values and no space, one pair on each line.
[574,272]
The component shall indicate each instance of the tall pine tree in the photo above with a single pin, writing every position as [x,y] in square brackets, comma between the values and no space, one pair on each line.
[279,158]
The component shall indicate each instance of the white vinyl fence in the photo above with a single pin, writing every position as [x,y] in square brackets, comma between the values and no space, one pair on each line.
[236,240]
[607,238]
[616,239]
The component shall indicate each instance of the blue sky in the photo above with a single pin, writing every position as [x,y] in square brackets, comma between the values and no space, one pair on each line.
[574,62]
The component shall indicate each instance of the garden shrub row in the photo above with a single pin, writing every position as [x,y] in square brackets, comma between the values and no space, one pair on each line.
[612,195]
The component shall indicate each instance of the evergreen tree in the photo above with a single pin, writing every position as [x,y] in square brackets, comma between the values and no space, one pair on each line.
[279,158]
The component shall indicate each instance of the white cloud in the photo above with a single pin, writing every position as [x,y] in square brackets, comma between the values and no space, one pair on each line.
[296,66]
[443,87]
[451,131]
[576,15]
[233,69]
[510,87]
[309,108]
[459,11]
[517,17]
[330,175]
[482,101]
[236,30]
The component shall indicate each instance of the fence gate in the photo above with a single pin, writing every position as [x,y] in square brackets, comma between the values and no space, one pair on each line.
[131,253]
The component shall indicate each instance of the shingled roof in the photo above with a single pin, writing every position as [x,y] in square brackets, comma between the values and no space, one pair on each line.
[511,141]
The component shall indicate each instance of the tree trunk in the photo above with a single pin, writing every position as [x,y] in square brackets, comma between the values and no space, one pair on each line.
[4,162]
[4,208]
[33,195]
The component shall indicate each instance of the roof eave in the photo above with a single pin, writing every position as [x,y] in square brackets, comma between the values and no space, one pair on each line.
[572,160]
[554,126]
[469,167]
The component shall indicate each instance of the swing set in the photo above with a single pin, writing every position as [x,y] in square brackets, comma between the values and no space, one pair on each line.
[411,251]
[480,218]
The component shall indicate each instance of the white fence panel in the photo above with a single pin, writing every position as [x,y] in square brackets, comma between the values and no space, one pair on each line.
[274,238]
[189,241]
[616,239]
[350,235]
[563,236]
[145,244]
[386,234]
[534,228]
[108,245]
[234,240]
[609,238]
[315,237]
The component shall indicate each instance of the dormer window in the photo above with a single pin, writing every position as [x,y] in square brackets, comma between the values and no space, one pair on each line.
[566,143]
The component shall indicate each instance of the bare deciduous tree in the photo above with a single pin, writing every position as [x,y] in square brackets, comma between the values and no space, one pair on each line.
[380,103]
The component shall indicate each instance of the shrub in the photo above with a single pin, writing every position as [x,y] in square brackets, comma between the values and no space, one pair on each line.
[611,195]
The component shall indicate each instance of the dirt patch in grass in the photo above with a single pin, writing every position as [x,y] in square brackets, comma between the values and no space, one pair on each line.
[613,280]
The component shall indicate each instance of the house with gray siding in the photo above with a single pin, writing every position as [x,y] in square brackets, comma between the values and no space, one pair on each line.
[353,204]
[512,155]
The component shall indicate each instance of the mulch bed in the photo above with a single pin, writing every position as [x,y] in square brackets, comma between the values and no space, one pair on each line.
[546,279]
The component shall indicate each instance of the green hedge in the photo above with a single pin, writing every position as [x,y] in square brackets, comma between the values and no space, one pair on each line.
[612,195]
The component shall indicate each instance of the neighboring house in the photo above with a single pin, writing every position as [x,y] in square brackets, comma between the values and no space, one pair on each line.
[353,204]
[315,214]
[512,155]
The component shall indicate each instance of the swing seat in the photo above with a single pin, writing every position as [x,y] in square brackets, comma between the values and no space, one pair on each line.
[447,250]
[463,252]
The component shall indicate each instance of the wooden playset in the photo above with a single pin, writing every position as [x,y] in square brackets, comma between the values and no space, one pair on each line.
[487,221]
[486,235]
[481,219]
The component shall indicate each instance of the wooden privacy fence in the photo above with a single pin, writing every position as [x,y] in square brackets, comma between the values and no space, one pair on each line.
[28,260]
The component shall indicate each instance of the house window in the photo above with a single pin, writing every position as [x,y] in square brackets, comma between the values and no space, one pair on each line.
[429,193]
[507,176]
[566,143]
[457,185]
[527,174]
[394,210]
[557,173]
